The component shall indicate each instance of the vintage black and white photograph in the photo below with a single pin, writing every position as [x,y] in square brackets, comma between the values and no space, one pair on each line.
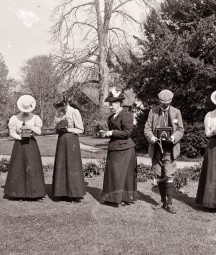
[108,127]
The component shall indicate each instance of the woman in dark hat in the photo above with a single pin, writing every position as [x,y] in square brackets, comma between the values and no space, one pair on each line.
[25,177]
[206,193]
[68,179]
[120,181]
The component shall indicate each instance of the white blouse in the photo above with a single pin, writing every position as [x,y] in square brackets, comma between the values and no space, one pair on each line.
[32,121]
[75,124]
[210,123]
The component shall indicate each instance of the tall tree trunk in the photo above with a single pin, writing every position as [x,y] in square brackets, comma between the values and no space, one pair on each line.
[102,30]
[103,80]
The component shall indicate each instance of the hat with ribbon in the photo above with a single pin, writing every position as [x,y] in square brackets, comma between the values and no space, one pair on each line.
[165,96]
[26,103]
[213,97]
[115,96]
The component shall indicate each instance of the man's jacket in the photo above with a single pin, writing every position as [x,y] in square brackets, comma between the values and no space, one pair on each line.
[176,123]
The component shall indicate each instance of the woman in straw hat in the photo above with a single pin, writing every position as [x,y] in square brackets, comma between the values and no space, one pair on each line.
[206,193]
[120,182]
[68,180]
[25,179]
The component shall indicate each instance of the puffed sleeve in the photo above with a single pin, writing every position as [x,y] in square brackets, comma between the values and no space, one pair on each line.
[37,125]
[12,128]
[78,124]
[207,124]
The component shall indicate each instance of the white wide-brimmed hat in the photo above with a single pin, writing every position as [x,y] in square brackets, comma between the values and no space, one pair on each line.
[213,97]
[26,103]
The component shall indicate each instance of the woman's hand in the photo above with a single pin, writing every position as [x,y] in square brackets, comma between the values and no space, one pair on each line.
[108,133]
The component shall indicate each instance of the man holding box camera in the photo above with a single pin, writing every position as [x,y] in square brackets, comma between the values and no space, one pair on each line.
[163,130]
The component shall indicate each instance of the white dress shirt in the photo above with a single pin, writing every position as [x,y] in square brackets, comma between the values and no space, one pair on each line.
[210,123]
[75,124]
[32,121]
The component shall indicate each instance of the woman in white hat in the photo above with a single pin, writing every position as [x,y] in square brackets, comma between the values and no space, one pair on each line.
[68,180]
[206,193]
[25,179]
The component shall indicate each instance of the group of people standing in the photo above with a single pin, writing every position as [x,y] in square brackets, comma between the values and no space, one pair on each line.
[25,179]
[163,129]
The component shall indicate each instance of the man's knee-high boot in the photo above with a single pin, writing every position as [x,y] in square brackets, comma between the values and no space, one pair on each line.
[169,193]
[162,190]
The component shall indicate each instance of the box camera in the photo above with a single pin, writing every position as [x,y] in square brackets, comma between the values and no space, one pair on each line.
[164,133]
[62,124]
[25,132]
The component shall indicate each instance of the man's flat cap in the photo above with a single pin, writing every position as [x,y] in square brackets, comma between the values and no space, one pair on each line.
[165,96]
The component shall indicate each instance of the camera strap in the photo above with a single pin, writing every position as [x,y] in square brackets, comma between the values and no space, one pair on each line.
[159,141]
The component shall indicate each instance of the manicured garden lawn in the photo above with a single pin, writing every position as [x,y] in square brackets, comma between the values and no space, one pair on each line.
[90,228]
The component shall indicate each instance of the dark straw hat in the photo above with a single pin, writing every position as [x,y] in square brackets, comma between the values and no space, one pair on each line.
[115,96]
[60,104]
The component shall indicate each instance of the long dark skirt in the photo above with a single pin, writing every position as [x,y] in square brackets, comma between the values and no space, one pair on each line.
[206,193]
[25,177]
[68,179]
[120,177]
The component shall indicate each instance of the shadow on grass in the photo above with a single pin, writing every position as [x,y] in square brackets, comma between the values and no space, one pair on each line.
[95,192]
[48,188]
[97,195]
[146,198]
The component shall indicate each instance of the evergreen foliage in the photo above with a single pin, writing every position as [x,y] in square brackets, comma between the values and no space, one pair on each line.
[178,53]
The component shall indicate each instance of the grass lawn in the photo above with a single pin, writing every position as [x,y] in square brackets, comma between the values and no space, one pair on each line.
[47,146]
[90,228]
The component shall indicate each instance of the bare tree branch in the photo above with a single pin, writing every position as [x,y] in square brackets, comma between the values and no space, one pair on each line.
[126,15]
[121,4]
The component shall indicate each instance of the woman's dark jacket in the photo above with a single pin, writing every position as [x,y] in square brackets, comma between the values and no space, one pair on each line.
[122,126]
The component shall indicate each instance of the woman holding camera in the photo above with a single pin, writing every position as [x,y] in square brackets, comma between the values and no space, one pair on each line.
[25,179]
[120,176]
[68,179]
[206,193]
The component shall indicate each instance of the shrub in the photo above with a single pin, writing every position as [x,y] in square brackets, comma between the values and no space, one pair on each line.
[194,141]
[48,168]
[138,132]
[102,163]
[4,165]
[144,173]
[95,126]
[181,177]
[91,169]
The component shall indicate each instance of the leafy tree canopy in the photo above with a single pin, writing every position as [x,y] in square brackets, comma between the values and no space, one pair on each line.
[178,53]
